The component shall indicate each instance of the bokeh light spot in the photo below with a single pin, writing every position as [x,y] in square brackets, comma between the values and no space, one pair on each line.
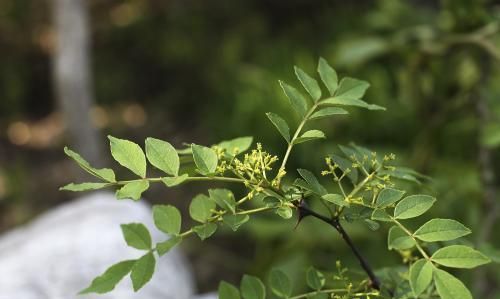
[19,133]
[134,115]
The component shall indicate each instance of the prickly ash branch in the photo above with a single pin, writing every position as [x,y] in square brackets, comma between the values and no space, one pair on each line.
[305,211]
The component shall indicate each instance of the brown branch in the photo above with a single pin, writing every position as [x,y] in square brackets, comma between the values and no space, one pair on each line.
[335,222]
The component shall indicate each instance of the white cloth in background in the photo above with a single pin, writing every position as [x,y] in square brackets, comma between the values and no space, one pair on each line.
[60,252]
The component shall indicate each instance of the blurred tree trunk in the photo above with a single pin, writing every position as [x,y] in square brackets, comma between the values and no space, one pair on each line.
[484,281]
[72,75]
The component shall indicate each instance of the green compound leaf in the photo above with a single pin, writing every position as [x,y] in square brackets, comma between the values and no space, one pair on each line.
[206,230]
[166,246]
[297,100]
[162,155]
[136,235]
[132,190]
[280,124]
[252,288]
[388,196]
[103,173]
[328,76]
[310,135]
[399,240]
[315,279]
[310,85]
[328,111]
[167,218]
[441,230]
[351,102]
[84,186]
[143,270]
[236,146]
[420,276]
[280,284]
[205,159]
[235,221]
[228,291]
[175,181]
[450,287]
[223,198]
[129,155]
[413,206]
[381,215]
[459,256]
[107,281]
[201,208]
[312,181]
[285,212]
[351,89]
[336,199]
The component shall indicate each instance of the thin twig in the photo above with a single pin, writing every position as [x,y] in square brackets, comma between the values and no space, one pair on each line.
[335,223]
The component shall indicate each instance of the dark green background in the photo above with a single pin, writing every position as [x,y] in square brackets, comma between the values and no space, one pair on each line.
[204,71]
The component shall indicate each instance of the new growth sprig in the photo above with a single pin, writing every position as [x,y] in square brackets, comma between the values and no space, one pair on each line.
[362,187]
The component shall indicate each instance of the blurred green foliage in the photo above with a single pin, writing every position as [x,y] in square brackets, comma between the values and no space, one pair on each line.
[210,69]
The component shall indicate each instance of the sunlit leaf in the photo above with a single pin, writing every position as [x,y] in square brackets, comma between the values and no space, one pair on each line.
[441,230]
[420,276]
[136,235]
[167,218]
[399,240]
[84,186]
[450,287]
[132,190]
[459,256]
[205,159]
[174,181]
[103,173]
[162,155]
[413,206]
[129,155]
[201,208]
